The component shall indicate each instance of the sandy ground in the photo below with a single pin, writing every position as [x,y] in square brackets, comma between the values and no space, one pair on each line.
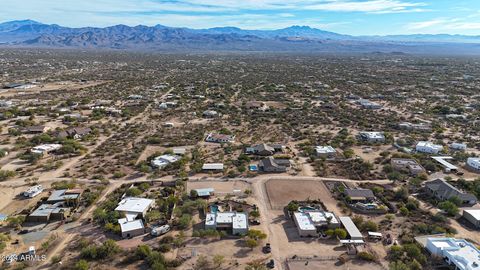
[150,150]
[281,192]
[327,265]
[50,87]
[224,187]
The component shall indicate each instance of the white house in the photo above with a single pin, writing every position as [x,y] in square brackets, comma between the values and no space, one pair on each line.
[210,114]
[163,160]
[428,147]
[45,148]
[325,151]
[133,207]
[33,191]
[456,252]
[309,222]
[131,228]
[372,136]
[220,138]
[458,146]
[474,163]
[235,221]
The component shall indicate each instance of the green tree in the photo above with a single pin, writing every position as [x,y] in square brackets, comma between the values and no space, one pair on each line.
[81,265]
[251,243]
[340,233]
[449,207]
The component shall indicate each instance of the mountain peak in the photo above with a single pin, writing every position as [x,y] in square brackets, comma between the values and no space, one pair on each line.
[300,27]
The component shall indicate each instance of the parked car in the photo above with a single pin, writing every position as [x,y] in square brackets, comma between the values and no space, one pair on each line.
[157,231]
[267,248]
[271,264]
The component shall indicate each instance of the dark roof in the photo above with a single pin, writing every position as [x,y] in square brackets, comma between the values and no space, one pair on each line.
[35,128]
[445,190]
[355,193]
[263,147]
[74,131]
[270,163]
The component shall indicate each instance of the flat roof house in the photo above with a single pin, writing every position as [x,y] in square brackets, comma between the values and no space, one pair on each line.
[237,222]
[428,147]
[205,192]
[458,146]
[210,114]
[325,151]
[405,164]
[473,163]
[131,228]
[442,191]
[411,126]
[133,207]
[45,148]
[457,252]
[48,212]
[33,191]
[220,138]
[310,222]
[68,196]
[473,216]
[371,136]
[367,104]
[163,160]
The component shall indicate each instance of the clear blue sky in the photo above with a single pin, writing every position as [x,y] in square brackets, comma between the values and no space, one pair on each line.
[355,17]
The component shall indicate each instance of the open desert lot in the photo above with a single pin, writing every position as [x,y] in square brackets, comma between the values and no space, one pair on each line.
[331,264]
[220,187]
[281,192]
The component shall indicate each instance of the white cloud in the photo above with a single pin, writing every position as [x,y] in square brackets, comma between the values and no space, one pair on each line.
[425,24]
[372,6]
[444,25]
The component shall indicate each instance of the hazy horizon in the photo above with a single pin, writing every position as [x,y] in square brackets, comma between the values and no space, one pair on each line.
[350,17]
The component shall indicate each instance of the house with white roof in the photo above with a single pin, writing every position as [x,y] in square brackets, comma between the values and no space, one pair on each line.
[371,136]
[45,148]
[458,146]
[131,228]
[163,160]
[237,222]
[325,151]
[473,163]
[310,222]
[212,167]
[33,191]
[134,207]
[459,253]
[428,147]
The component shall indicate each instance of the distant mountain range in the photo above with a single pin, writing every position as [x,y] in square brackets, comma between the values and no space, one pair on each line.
[28,33]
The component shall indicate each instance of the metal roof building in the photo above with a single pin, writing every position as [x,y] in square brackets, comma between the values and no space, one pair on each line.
[352,230]
[213,166]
